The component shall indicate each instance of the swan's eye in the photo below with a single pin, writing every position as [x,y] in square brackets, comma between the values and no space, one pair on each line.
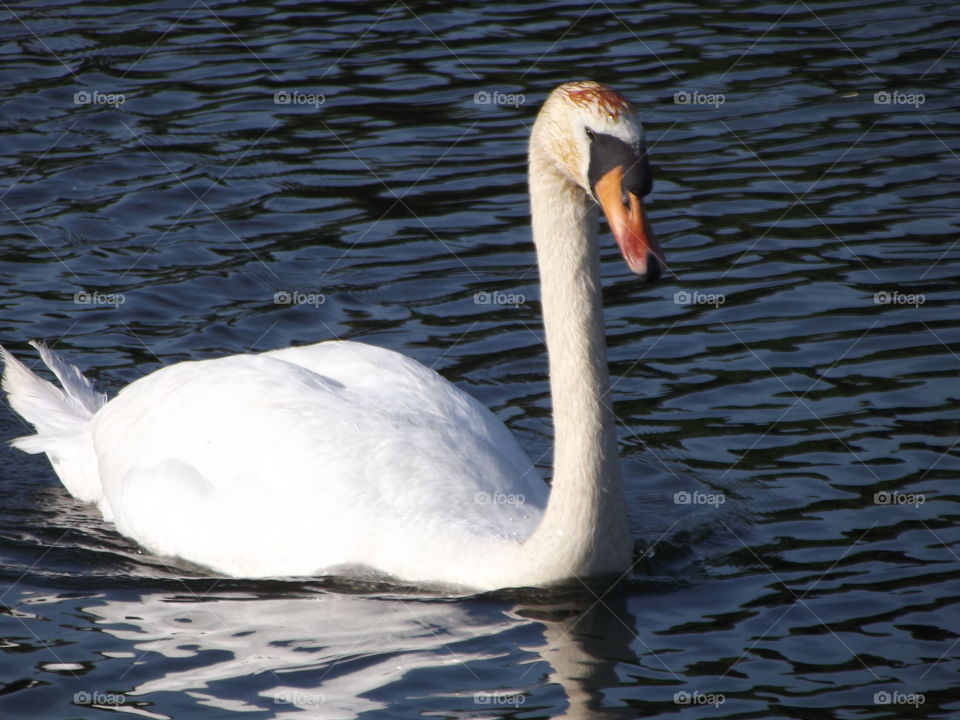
[591,134]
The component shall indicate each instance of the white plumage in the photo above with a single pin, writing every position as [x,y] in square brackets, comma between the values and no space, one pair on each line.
[345,458]
[293,462]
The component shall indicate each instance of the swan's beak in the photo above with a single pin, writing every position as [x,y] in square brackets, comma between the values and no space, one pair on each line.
[628,221]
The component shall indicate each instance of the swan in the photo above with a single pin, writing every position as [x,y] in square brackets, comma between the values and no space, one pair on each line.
[341,458]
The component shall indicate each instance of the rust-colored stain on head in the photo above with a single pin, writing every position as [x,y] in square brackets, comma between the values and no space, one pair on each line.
[593,94]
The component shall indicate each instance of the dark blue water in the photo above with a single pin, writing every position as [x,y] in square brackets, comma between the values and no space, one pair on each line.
[795,381]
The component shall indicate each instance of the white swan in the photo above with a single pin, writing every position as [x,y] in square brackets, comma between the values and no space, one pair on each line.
[343,458]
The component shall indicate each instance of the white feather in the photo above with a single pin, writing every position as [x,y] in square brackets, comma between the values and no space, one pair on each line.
[345,458]
[301,460]
[61,418]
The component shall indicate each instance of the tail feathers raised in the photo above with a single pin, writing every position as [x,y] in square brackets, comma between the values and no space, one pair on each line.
[79,389]
[61,418]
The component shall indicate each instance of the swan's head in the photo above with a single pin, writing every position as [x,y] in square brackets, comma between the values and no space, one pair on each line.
[595,140]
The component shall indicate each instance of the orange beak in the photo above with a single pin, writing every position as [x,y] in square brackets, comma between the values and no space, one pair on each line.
[630,226]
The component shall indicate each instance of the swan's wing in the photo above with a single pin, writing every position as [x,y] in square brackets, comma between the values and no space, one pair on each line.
[303,459]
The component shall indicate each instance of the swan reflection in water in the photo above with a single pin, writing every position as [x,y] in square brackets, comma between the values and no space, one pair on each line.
[339,655]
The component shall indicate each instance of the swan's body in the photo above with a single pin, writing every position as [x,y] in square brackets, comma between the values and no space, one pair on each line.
[344,458]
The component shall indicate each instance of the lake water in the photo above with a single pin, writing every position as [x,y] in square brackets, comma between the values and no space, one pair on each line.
[786,400]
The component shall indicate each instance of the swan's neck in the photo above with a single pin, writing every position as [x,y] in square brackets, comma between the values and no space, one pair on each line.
[584,530]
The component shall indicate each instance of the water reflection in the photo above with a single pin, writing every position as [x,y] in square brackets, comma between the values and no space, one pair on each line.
[338,655]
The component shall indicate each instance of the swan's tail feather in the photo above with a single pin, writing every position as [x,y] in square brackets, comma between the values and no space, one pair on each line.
[61,418]
[79,389]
